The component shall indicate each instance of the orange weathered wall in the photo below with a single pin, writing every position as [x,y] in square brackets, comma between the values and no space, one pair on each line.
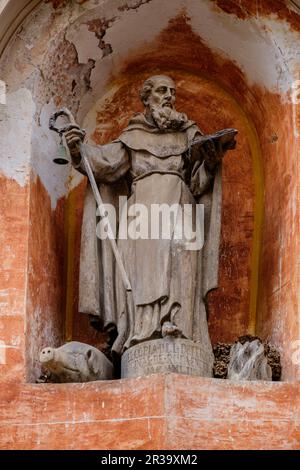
[260,245]
[187,413]
[14,224]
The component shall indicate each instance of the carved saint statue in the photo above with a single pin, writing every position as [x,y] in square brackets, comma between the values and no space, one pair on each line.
[160,159]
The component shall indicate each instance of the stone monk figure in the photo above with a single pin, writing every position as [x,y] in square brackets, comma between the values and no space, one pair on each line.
[156,157]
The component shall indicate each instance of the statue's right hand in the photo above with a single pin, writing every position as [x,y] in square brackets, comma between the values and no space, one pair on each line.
[74,137]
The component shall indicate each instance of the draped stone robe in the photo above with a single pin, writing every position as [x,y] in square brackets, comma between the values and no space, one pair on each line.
[169,283]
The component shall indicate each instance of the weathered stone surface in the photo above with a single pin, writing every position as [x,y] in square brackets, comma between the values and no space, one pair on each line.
[166,355]
[14,225]
[158,270]
[156,412]
[221,353]
[76,362]
[222,357]
[248,362]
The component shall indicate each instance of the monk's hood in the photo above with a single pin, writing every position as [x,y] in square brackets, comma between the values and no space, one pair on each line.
[141,135]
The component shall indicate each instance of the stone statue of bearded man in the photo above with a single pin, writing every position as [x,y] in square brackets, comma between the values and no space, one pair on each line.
[157,158]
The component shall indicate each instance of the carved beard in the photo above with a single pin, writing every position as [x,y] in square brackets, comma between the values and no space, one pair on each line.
[167,118]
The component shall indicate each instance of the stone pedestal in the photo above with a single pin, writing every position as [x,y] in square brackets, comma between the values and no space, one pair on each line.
[166,355]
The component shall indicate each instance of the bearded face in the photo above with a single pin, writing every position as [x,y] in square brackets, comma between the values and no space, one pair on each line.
[166,118]
[160,104]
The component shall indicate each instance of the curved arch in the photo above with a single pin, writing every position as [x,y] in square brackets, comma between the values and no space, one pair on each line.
[12,14]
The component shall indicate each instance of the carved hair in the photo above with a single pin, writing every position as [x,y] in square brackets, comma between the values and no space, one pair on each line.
[149,84]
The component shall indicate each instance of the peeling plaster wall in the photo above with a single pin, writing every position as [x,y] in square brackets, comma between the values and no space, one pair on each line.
[75,53]
[187,413]
[16,120]
[67,39]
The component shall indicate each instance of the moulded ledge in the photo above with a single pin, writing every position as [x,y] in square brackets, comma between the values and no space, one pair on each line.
[156,412]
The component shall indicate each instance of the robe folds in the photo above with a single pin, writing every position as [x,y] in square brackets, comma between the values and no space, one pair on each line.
[169,283]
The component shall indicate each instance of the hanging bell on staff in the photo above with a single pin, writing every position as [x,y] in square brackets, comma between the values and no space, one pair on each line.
[62,157]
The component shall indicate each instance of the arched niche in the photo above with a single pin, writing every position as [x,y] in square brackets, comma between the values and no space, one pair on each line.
[92,57]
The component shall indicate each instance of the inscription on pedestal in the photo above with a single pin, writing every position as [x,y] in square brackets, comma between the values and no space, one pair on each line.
[166,355]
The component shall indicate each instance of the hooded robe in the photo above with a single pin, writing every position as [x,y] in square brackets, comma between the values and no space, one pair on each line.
[169,283]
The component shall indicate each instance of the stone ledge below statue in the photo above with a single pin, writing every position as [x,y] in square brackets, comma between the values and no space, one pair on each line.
[166,355]
[169,411]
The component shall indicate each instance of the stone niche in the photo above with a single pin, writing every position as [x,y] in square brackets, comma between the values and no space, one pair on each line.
[235,66]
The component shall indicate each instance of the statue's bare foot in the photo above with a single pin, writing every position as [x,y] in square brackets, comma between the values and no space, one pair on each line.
[168,329]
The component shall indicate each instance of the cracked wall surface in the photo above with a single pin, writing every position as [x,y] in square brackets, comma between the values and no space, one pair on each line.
[188,413]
